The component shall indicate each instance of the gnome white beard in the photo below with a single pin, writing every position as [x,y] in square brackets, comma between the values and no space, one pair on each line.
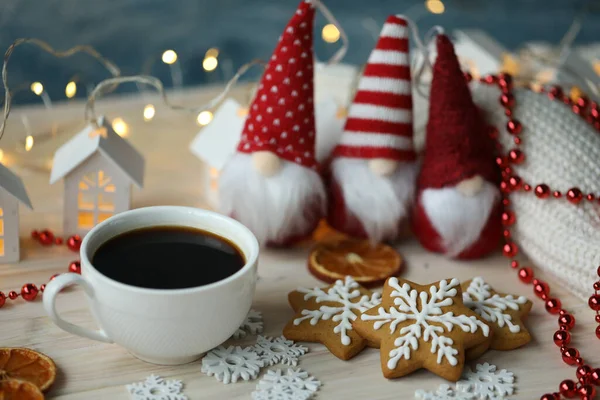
[380,203]
[274,208]
[459,219]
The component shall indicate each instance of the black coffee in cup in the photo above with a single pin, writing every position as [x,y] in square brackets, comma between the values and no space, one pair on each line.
[168,257]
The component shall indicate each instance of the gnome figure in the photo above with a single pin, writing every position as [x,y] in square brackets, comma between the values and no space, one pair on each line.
[272,183]
[458,210]
[373,169]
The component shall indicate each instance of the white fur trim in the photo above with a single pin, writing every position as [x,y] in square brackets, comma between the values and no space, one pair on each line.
[459,219]
[363,139]
[384,85]
[380,203]
[389,57]
[394,30]
[273,207]
[380,113]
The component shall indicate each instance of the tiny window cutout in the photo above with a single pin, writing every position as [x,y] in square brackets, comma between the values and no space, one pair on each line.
[1,227]
[89,179]
[83,185]
[103,180]
[214,184]
[85,201]
[213,172]
[110,188]
[104,216]
[1,247]
[1,212]
[85,219]
[105,203]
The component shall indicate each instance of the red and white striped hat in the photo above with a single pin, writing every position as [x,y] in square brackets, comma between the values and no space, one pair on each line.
[380,122]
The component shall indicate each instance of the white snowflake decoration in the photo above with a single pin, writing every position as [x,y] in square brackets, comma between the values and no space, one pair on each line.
[487,383]
[444,392]
[156,388]
[293,385]
[406,307]
[231,363]
[253,324]
[279,350]
[342,292]
[478,297]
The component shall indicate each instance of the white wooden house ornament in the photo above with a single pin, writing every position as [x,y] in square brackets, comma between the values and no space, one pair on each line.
[12,191]
[98,167]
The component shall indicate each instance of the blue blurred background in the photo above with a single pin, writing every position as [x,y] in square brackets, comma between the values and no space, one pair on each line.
[135,33]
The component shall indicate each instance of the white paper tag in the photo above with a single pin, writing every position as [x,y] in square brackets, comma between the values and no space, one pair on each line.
[330,119]
[217,141]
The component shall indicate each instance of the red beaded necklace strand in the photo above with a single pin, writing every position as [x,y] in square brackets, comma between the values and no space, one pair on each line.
[587,376]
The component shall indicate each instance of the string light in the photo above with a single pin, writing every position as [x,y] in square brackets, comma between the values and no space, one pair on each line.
[212,52]
[204,118]
[120,127]
[169,57]
[1,155]
[435,6]
[37,88]
[210,63]
[28,143]
[330,33]
[149,112]
[71,89]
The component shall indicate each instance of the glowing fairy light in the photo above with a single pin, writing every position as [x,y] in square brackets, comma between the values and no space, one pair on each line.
[330,33]
[120,127]
[204,118]
[71,90]
[149,112]
[37,88]
[435,6]
[169,57]
[28,143]
[212,52]
[210,63]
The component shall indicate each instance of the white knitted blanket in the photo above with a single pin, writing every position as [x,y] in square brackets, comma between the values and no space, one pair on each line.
[562,151]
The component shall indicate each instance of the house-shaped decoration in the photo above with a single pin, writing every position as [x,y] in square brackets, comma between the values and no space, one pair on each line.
[12,192]
[217,141]
[98,167]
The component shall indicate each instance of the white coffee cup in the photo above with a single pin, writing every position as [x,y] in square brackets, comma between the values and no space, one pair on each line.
[167,327]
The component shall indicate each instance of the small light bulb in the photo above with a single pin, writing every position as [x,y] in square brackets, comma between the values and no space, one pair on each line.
[435,6]
[28,143]
[37,88]
[210,63]
[120,127]
[330,33]
[169,57]
[204,118]
[71,90]
[212,52]
[149,112]
[1,155]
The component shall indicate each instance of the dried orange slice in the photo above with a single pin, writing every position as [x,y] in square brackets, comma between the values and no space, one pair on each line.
[27,365]
[14,389]
[368,264]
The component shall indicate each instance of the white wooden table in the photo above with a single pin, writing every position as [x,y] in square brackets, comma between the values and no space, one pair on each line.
[91,370]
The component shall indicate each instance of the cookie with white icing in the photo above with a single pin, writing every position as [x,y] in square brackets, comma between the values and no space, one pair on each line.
[422,326]
[504,313]
[325,315]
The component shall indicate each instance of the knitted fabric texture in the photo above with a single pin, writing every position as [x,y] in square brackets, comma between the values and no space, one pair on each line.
[379,123]
[562,150]
[281,117]
[457,146]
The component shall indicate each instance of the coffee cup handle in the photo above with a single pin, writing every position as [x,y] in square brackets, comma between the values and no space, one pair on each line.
[53,288]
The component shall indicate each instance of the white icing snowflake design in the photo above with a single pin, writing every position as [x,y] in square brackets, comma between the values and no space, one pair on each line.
[291,385]
[444,392]
[487,383]
[253,325]
[279,350]
[430,322]
[156,388]
[478,297]
[231,363]
[342,292]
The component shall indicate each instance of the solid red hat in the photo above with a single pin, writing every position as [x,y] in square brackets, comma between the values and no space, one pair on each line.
[282,118]
[457,145]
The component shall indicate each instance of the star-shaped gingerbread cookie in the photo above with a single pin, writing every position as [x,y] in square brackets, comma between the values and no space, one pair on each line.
[422,327]
[503,313]
[325,315]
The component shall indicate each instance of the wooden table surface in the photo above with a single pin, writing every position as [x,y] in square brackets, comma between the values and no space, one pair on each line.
[92,370]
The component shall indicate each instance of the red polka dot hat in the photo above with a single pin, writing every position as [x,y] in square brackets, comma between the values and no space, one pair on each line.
[281,118]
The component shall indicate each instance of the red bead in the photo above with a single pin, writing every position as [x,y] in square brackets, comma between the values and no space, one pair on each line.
[595,113]
[598,319]
[517,140]
[468,76]
[29,292]
[508,170]
[514,264]
[568,388]
[598,331]
[75,267]
[597,285]
[508,218]
[569,355]
[505,80]
[504,188]
[508,112]
[515,182]
[590,197]
[542,191]
[583,372]
[555,92]
[514,127]
[489,79]
[507,100]
[506,234]
[594,377]
[510,250]
[34,234]
[577,109]
[526,187]
[506,202]
[74,242]
[567,320]
[46,237]
[501,162]
[579,361]
[2,299]
[13,295]
[598,271]
[574,195]
[557,194]
[583,101]
[54,276]
[561,338]
[526,274]
[58,241]
[541,288]
[553,306]
[594,302]
[42,287]
[549,396]
[587,390]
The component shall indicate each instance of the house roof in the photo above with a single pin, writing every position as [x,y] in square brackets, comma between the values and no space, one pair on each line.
[14,185]
[113,147]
